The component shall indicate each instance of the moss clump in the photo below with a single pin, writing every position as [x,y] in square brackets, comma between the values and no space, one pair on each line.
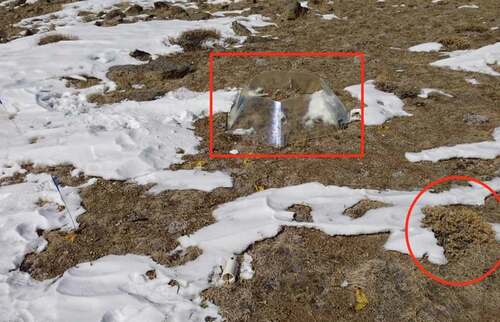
[457,229]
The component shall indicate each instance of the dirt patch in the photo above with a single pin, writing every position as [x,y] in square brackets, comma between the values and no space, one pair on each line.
[458,229]
[305,275]
[302,213]
[360,208]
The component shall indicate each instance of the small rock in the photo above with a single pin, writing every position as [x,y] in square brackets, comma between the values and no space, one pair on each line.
[179,151]
[30,32]
[134,10]
[475,119]
[200,15]
[114,14]
[151,274]
[294,10]
[161,5]
[140,55]
[178,11]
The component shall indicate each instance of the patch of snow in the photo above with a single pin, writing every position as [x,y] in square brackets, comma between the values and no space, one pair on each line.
[472,81]
[329,16]
[424,92]
[184,179]
[43,121]
[480,150]
[426,47]
[469,6]
[20,217]
[496,228]
[246,270]
[229,12]
[234,151]
[379,106]
[476,60]
[118,141]
[243,131]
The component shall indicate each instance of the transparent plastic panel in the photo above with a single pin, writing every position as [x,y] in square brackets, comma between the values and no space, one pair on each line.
[275,106]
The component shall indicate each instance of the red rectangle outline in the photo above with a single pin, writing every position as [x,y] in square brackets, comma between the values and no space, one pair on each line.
[359,155]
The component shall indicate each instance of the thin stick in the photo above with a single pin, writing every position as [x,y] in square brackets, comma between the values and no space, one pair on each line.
[54,180]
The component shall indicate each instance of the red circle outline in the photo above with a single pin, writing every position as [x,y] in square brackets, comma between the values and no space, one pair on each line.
[407,239]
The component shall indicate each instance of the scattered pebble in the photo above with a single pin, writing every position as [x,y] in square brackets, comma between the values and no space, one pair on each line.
[475,119]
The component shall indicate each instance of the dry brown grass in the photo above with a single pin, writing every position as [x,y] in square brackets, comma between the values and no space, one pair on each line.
[195,39]
[458,228]
[402,88]
[53,38]
[471,27]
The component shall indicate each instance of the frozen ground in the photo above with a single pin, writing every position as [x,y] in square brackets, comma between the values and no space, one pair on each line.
[116,287]
[46,123]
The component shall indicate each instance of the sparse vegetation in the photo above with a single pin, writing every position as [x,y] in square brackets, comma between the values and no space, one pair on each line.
[195,39]
[457,228]
[53,38]
[403,89]
[455,43]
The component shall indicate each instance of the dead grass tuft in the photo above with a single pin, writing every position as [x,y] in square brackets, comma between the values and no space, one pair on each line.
[455,43]
[457,229]
[53,38]
[192,40]
[402,89]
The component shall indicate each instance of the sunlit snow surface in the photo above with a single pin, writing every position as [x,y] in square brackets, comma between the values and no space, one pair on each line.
[474,60]
[379,106]
[116,288]
[426,47]
[480,150]
[43,122]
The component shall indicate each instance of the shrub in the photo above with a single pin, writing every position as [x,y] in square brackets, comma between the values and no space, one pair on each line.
[195,39]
